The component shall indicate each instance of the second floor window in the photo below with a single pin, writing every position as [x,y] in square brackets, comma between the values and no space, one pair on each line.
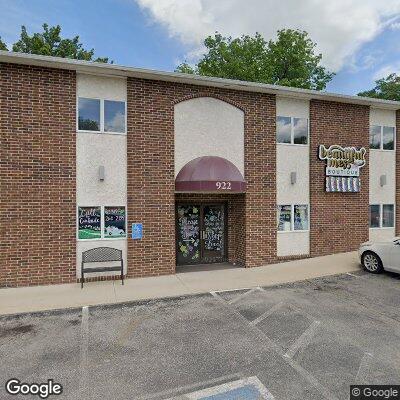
[381,137]
[97,115]
[291,130]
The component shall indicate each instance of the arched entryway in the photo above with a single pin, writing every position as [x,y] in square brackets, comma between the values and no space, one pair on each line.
[207,189]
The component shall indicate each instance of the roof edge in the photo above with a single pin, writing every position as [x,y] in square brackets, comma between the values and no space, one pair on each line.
[96,68]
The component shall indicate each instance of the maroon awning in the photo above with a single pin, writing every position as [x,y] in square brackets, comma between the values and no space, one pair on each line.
[210,174]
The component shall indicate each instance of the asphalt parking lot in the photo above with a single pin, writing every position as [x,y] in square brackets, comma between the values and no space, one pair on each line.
[306,340]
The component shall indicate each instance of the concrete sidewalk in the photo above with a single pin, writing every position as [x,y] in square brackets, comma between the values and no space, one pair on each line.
[40,298]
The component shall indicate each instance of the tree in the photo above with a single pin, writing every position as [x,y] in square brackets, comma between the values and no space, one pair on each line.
[385,88]
[2,45]
[50,43]
[290,60]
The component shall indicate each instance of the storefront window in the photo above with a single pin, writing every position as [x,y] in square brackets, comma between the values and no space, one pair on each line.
[88,114]
[300,217]
[388,138]
[284,217]
[374,216]
[89,222]
[114,222]
[283,130]
[387,216]
[114,116]
[300,130]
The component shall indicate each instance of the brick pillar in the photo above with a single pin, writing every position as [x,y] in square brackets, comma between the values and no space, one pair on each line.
[37,175]
[338,221]
[150,146]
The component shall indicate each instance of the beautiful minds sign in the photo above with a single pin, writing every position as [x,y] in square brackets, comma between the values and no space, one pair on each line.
[343,166]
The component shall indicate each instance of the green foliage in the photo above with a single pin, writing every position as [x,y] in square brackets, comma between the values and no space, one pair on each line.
[2,45]
[290,60]
[386,88]
[50,43]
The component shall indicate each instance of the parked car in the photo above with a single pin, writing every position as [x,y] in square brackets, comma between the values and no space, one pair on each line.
[378,256]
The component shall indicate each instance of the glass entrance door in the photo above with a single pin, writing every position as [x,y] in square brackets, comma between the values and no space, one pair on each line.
[188,234]
[200,233]
[213,243]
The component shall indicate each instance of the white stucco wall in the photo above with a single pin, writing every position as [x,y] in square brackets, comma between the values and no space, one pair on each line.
[382,162]
[287,107]
[207,126]
[292,158]
[92,151]
[101,149]
[293,243]
[104,87]
[382,117]
[383,234]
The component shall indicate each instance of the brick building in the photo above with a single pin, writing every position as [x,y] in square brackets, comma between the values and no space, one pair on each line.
[175,169]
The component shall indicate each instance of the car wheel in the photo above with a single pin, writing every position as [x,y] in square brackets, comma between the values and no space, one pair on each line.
[372,263]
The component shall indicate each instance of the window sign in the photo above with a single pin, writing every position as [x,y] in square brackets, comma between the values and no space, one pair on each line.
[114,222]
[114,116]
[88,114]
[300,217]
[89,222]
[284,217]
[343,166]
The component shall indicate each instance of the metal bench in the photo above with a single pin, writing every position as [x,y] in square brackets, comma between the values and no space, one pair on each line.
[101,254]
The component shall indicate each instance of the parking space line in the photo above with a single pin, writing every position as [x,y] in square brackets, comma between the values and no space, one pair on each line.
[267,313]
[180,391]
[363,370]
[326,394]
[243,295]
[304,339]
[84,345]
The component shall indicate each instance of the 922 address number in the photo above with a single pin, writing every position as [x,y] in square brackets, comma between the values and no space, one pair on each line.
[223,185]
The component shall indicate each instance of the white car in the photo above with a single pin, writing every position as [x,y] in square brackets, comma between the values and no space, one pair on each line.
[378,256]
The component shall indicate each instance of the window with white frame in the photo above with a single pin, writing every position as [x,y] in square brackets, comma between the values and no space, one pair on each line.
[381,216]
[101,222]
[291,130]
[100,115]
[292,217]
[381,137]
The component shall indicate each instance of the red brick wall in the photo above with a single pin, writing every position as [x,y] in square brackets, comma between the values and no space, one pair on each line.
[338,221]
[151,196]
[37,175]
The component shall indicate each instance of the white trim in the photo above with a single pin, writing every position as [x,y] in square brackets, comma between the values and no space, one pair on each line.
[95,68]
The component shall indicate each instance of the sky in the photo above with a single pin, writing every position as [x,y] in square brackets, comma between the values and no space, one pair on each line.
[359,39]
